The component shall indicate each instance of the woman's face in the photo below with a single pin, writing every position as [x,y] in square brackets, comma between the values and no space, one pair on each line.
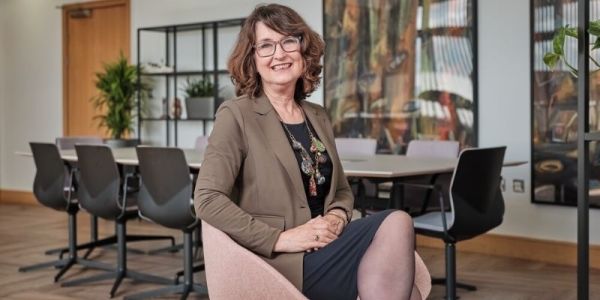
[282,69]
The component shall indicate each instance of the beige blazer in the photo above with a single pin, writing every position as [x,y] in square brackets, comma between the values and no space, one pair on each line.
[250,184]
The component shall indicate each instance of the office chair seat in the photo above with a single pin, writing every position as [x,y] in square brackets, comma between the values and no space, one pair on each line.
[433,221]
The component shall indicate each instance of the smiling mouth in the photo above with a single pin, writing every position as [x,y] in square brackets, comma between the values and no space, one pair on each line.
[281,67]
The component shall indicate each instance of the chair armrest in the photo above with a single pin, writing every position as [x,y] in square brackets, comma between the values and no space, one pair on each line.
[70,186]
[123,203]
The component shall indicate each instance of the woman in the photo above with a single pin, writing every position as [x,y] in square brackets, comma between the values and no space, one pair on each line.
[272,180]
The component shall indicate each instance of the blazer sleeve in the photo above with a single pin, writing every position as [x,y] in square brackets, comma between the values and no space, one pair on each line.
[344,198]
[223,159]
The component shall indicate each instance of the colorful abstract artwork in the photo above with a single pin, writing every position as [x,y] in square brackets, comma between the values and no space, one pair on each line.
[401,70]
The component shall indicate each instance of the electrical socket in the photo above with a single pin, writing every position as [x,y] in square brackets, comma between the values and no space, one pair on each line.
[518,185]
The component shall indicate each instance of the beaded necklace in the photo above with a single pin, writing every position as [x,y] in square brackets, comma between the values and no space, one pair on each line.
[309,166]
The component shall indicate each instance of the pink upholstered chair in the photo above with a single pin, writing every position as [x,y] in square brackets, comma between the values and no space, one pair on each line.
[233,272]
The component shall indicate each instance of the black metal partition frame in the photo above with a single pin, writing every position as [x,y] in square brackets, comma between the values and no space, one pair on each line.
[554,114]
[583,142]
[575,150]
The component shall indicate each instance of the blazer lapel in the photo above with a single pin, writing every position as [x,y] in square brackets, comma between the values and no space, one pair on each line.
[319,124]
[275,137]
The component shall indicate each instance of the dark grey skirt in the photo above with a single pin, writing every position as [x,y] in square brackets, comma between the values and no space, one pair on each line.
[331,272]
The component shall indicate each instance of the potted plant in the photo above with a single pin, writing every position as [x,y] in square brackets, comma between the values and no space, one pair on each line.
[558,46]
[199,101]
[118,87]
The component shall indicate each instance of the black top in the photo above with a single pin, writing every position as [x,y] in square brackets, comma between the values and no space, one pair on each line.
[300,133]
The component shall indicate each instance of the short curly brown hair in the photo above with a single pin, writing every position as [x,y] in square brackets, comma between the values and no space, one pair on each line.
[286,21]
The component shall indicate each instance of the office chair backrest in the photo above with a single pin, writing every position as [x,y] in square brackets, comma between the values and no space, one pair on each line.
[355,146]
[443,149]
[99,182]
[478,205]
[69,142]
[201,143]
[48,185]
[166,193]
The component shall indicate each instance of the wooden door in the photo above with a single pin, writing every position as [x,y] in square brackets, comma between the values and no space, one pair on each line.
[93,33]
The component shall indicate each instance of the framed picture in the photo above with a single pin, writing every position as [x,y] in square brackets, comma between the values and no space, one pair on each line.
[554,106]
[400,70]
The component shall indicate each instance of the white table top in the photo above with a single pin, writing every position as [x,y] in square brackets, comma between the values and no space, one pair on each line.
[374,166]
[128,156]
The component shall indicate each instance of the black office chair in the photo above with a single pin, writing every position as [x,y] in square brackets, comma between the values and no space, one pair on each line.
[476,206]
[49,190]
[103,194]
[166,198]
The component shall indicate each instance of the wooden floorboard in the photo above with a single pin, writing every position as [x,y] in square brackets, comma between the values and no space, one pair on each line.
[27,231]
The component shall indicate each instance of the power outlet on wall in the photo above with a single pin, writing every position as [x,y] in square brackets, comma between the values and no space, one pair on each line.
[518,185]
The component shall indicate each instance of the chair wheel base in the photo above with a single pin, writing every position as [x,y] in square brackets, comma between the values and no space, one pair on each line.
[442,281]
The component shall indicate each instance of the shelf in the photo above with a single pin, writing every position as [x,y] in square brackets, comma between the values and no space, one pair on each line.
[444,31]
[178,120]
[186,73]
[195,26]
[543,36]
[209,34]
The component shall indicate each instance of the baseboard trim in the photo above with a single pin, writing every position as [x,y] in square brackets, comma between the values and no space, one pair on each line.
[555,252]
[17,197]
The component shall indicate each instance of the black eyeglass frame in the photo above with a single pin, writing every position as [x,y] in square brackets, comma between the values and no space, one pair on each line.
[275,43]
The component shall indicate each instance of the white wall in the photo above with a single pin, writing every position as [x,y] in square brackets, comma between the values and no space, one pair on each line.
[32,96]
[32,78]
[504,114]
[3,26]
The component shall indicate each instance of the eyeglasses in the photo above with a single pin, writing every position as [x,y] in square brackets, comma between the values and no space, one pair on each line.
[288,44]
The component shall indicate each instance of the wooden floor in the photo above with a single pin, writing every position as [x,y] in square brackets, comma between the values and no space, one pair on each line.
[26,231]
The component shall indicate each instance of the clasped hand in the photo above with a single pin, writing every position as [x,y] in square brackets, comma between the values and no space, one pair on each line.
[313,235]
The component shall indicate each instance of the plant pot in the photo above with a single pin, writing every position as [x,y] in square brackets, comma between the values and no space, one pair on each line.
[200,107]
[121,143]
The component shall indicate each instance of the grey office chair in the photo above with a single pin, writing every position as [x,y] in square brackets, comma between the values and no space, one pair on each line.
[68,143]
[200,146]
[418,201]
[201,143]
[166,198]
[103,194]
[349,147]
[476,206]
[49,190]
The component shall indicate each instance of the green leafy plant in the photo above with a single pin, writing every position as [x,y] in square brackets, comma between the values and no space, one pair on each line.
[558,46]
[198,88]
[117,99]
